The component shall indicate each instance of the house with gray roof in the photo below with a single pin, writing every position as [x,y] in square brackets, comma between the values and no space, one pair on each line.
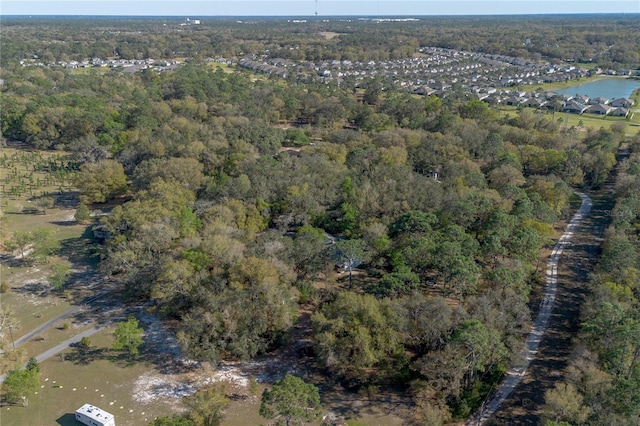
[599,109]
[573,107]
[622,102]
[620,112]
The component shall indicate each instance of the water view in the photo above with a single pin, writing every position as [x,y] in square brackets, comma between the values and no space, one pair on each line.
[608,87]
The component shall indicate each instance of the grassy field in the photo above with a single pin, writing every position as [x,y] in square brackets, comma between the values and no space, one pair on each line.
[30,298]
[105,381]
[138,392]
[588,120]
[224,67]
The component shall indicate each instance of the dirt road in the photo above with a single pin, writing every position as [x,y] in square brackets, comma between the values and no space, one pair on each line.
[524,404]
[519,370]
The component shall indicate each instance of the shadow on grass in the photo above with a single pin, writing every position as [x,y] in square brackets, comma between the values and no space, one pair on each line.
[67,420]
[66,200]
[4,402]
[36,288]
[80,250]
[86,355]
[64,223]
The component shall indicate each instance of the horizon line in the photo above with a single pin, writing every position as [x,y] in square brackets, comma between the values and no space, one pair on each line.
[2,15]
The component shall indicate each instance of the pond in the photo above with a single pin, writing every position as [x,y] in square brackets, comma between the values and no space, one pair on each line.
[607,87]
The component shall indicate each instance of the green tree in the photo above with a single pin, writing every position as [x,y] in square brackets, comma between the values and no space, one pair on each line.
[21,241]
[206,406]
[373,91]
[82,213]
[291,402]
[174,420]
[354,333]
[101,181]
[45,244]
[480,345]
[128,336]
[59,275]
[44,203]
[22,381]
[565,404]
[309,250]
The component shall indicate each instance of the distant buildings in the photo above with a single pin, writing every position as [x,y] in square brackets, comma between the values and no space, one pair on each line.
[188,21]
[494,79]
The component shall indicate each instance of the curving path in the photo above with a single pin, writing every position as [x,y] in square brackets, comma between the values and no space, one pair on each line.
[515,374]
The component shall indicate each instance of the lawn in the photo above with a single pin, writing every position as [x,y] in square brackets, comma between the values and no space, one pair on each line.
[31,310]
[588,120]
[105,380]
[224,67]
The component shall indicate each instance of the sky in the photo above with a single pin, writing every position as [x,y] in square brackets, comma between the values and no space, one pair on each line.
[203,8]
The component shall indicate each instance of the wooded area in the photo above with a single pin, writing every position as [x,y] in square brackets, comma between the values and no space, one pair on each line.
[603,378]
[410,227]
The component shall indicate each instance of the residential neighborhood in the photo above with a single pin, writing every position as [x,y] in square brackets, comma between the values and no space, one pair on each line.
[435,71]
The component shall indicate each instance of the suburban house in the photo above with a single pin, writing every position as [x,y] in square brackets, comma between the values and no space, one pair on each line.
[598,100]
[622,102]
[600,109]
[93,416]
[514,101]
[573,107]
[620,112]
[533,103]
[582,99]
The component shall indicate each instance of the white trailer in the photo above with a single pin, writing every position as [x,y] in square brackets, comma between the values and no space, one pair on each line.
[91,415]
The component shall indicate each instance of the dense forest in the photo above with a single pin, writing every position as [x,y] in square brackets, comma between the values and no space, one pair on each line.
[410,227]
[603,378]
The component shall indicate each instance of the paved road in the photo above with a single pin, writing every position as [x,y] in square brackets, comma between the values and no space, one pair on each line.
[42,327]
[516,372]
[66,314]
[62,346]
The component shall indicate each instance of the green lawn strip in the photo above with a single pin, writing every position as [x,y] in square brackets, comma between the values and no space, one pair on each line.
[66,385]
[61,220]
[224,67]
[588,120]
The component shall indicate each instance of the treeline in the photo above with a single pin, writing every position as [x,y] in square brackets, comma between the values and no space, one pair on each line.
[443,205]
[602,385]
[609,41]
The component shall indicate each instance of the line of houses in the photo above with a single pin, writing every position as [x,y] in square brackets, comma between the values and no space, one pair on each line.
[126,65]
[435,69]
[578,104]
